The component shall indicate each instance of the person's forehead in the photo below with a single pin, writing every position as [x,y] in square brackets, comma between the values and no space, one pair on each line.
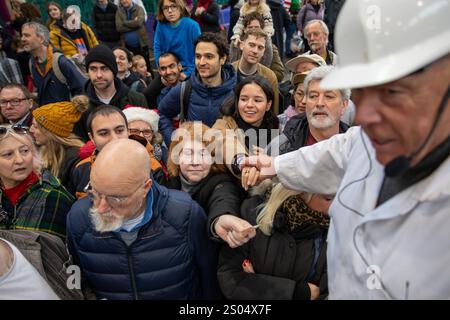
[167,60]
[206,48]
[253,39]
[138,124]
[12,92]
[28,30]
[252,89]
[107,122]
[314,27]
[97,64]
[11,143]
[305,66]
[120,53]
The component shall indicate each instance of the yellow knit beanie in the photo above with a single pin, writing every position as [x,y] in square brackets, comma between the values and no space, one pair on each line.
[60,117]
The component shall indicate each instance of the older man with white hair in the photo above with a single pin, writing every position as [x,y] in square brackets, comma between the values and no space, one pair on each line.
[389,231]
[134,239]
[316,32]
[321,119]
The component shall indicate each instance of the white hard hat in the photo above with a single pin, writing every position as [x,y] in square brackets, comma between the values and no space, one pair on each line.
[379,41]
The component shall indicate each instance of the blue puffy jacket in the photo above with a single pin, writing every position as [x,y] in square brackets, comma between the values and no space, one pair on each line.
[204,101]
[172,257]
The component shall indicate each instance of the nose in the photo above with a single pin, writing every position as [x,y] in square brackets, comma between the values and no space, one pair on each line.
[321,100]
[103,206]
[202,60]
[18,158]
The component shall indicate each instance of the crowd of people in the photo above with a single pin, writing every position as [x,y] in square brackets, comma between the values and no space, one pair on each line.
[196,164]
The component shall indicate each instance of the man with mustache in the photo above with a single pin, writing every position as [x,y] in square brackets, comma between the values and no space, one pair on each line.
[134,239]
[253,45]
[316,32]
[321,119]
[169,70]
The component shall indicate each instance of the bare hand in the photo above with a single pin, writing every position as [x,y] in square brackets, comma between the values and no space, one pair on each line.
[247,266]
[315,291]
[233,230]
[263,164]
[182,76]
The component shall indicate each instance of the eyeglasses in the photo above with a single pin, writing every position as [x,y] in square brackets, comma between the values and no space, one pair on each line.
[113,201]
[19,129]
[13,102]
[172,6]
[146,132]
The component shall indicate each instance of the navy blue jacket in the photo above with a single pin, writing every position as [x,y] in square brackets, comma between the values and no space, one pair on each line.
[50,89]
[204,101]
[172,257]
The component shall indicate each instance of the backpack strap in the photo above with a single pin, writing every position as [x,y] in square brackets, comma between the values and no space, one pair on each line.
[185,93]
[56,69]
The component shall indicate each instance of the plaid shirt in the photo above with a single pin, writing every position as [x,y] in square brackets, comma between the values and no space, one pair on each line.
[9,71]
[43,207]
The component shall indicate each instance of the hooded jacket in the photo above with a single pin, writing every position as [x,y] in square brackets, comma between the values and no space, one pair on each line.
[204,101]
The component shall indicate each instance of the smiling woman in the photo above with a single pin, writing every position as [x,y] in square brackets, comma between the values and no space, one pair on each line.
[31,199]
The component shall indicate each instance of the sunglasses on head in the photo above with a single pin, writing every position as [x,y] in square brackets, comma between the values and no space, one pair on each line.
[19,129]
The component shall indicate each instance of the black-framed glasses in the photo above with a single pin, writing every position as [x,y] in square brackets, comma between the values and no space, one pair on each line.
[12,102]
[145,132]
[19,129]
[167,8]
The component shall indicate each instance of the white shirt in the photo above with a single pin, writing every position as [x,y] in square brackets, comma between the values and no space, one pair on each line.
[23,281]
[405,240]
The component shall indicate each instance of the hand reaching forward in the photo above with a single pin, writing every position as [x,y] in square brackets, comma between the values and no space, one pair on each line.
[256,169]
[233,230]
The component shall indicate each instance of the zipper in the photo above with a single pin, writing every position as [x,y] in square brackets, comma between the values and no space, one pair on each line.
[133,278]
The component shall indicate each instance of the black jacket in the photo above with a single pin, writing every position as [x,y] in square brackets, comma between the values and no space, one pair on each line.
[209,19]
[296,133]
[105,23]
[282,262]
[123,97]
[217,194]
[71,158]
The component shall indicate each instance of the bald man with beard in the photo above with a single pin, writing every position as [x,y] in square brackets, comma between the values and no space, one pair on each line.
[135,239]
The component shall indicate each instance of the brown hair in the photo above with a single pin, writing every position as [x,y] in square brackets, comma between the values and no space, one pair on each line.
[257,33]
[253,16]
[180,4]
[189,130]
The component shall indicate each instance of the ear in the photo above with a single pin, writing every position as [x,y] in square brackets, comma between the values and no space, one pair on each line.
[223,60]
[91,137]
[180,67]
[344,107]
[147,185]
[269,105]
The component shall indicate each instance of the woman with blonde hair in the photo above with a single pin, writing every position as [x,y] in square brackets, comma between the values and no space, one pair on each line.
[30,198]
[287,257]
[52,130]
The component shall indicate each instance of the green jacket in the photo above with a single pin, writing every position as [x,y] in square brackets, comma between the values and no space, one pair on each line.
[43,207]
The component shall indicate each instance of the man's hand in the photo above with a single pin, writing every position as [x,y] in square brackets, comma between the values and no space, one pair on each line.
[233,230]
[256,169]
[315,291]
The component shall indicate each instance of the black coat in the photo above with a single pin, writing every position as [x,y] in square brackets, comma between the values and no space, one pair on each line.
[282,262]
[217,194]
[71,158]
[123,97]
[209,19]
[281,20]
[105,23]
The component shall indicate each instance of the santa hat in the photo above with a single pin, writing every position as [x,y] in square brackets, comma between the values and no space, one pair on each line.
[147,115]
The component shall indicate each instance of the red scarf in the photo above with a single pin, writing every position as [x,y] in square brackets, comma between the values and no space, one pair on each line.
[14,193]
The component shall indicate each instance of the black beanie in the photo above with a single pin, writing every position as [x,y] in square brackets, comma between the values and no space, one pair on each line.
[102,54]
